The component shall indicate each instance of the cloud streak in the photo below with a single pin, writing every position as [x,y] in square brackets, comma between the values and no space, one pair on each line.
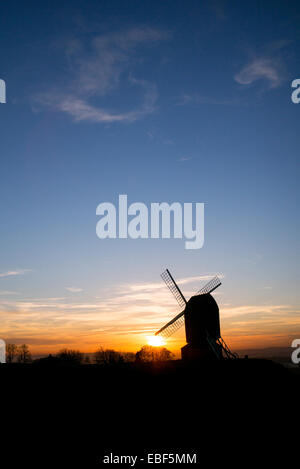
[74,289]
[12,273]
[198,99]
[260,69]
[100,68]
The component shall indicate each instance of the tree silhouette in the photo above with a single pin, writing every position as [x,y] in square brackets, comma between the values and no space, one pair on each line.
[72,357]
[23,354]
[108,357]
[153,354]
[87,360]
[11,352]
[128,357]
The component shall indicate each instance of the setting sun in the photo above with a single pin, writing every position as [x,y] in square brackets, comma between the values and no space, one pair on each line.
[156,341]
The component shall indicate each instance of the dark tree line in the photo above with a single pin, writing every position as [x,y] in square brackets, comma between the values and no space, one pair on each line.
[147,353]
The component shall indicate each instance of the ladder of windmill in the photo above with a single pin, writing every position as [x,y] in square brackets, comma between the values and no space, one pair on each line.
[213,345]
[226,349]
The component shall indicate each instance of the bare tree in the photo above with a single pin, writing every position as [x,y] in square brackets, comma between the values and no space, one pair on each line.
[153,354]
[128,357]
[23,354]
[11,352]
[74,357]
[87,359]
[108,357]
[163,354]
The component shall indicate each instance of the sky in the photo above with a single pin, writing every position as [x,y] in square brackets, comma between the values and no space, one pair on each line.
[165,101]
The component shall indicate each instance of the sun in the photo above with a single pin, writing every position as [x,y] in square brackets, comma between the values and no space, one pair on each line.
[156,341]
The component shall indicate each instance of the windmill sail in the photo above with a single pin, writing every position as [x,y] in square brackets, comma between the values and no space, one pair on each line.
[210,286]
[172,326]
[173,287]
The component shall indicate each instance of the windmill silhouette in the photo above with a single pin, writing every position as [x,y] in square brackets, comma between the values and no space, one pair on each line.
[202,322]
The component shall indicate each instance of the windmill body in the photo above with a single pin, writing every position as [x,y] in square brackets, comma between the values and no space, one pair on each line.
[202,322]
[201,316]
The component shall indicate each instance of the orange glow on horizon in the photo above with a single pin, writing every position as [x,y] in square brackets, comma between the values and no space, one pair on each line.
[134,343]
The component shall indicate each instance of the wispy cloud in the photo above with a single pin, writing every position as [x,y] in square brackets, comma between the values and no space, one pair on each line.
[264,324]
[11,273]
[101,64]
[255,259]
[268,69]
[263,68]
[184,158]
[98,69]
[198,99]
[8,292]
[74,289]
[168,141]
[185,99]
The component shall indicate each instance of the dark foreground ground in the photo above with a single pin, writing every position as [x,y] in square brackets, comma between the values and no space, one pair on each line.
[239,412]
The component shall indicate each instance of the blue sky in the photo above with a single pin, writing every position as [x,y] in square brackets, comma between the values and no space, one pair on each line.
[162,101]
